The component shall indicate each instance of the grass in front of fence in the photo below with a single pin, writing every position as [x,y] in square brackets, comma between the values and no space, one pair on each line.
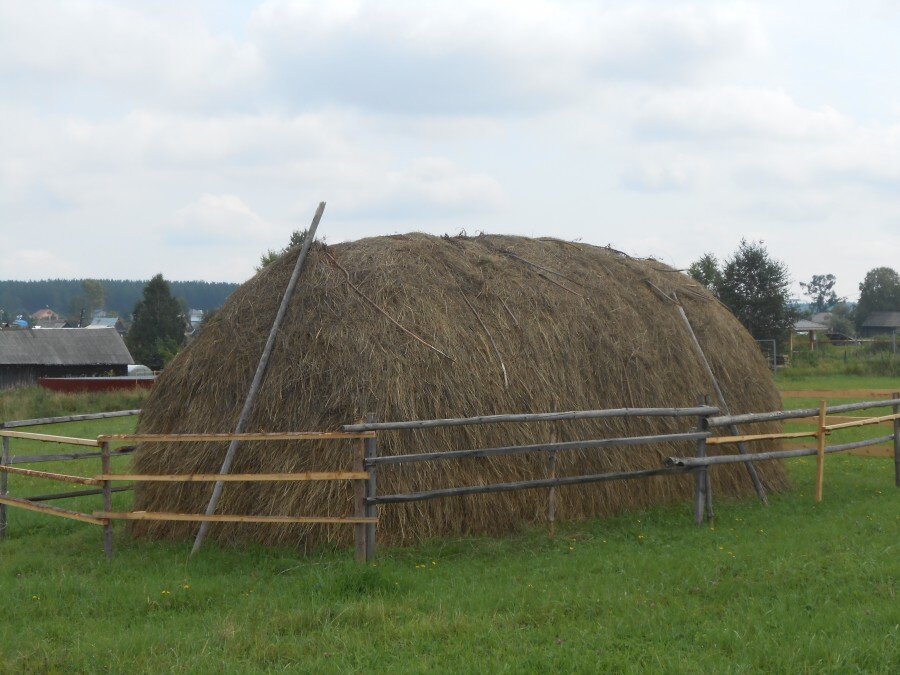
[793,587]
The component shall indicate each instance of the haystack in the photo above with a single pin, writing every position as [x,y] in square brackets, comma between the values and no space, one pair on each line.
[511,325]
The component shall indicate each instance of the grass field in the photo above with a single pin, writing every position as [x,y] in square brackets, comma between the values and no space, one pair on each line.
[794,587]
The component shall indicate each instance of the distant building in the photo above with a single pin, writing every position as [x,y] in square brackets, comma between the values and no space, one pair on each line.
[61,323]
[109,322]
[26,355]
[881,323]
[45,314]
[195,317]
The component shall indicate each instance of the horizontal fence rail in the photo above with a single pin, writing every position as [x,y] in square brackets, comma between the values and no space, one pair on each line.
[536,447]
[13,424]
[236,477]
[523,485]
[200,518]
[532,417]
[692,462]
[800,413]
[210,438]
[36,459]
[47,438]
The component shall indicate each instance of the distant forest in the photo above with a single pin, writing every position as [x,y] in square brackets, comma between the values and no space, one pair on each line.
[66,296]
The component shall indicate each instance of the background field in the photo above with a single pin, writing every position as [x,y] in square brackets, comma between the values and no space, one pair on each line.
[792,587]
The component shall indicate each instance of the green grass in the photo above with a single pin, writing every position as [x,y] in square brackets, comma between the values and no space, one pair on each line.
[792,587]
[787,381]
[34,402]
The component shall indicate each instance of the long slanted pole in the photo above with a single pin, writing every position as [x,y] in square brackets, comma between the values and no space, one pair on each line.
[720,397]
[260,373]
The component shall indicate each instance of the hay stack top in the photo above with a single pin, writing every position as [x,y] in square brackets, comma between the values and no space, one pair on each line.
[470,326]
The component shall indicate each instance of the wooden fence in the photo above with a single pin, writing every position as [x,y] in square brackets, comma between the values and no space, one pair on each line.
[103,483]
[366,461]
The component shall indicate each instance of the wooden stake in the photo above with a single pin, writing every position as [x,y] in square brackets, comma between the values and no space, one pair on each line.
[371,452]
[896,397]
[701,474]
[4,461]
[820,451]
[260,373]
[551,498]
[720,397]
[359,501]
[107,501]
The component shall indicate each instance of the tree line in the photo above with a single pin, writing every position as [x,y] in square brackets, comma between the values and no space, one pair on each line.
[68,297]
[756,288]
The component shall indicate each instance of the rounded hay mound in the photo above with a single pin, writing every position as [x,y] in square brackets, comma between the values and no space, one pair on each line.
[511,324]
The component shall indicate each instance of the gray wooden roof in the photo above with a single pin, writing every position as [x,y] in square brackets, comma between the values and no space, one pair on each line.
[882,320]
[63,347]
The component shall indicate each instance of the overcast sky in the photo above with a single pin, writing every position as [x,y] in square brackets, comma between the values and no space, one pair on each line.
[187,138]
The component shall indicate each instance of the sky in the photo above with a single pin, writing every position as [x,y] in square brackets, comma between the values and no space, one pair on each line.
[189,137]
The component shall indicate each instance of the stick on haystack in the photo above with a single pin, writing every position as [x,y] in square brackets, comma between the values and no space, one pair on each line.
[260,373]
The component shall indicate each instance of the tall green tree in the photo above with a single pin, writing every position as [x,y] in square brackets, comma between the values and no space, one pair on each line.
[756,288]
[157,332]
[879,292]
[706,271]
[820,291]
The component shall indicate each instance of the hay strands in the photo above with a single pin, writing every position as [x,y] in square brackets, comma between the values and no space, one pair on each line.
[260,373]
[356,289]
[491,338]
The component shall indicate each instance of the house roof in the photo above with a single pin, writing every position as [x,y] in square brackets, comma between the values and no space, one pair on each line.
[807,325]
[63,347]
[882,320]
[104,322]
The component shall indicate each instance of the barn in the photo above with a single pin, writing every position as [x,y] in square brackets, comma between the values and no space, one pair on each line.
[417,327]
[29,354]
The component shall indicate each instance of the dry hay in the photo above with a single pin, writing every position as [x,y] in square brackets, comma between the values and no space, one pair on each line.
[573,326]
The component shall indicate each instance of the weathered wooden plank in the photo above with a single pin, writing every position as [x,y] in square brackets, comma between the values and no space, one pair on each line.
[726,420]
[691,462]
[536,447]
[51,510]
[863,422]
[47,438]
[524,485]
[236,477]
[76,493]
[12,424]
[530,417]
[47,475]
[219,518]
[746,438]
[36,459]
[210,438]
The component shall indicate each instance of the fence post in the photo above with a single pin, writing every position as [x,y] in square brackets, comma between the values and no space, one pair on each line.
[551,497]
[107,500]
[4,460]
[371,510]
[820,450]
[896,397]
[702,496]
[359,500]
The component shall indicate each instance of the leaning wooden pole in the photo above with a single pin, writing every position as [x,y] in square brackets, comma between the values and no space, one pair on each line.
[720,397]
[260,373]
